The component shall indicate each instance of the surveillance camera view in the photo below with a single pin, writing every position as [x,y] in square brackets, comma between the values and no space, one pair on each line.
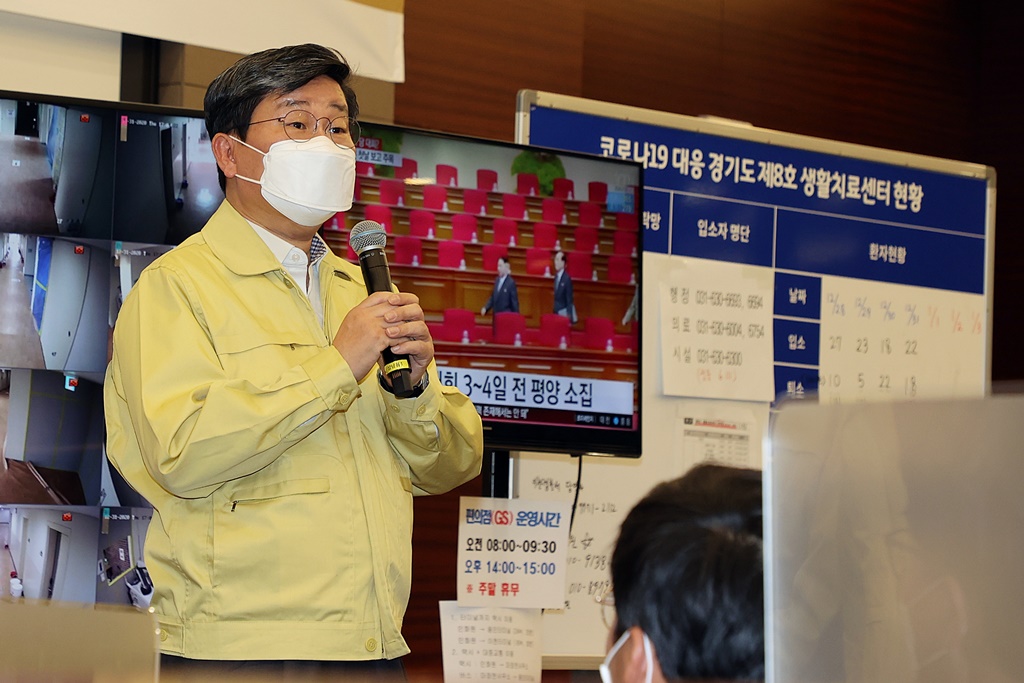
[56,169]
[165,183]
[55,296]
[75,554]
[51,438]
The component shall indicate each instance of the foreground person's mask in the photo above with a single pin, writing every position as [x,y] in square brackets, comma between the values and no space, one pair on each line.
[308,182]
[606,672]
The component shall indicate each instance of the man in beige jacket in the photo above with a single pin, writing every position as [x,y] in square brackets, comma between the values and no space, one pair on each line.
[244,402]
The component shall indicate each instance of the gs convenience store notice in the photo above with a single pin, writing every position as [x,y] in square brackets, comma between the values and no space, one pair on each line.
[512,553]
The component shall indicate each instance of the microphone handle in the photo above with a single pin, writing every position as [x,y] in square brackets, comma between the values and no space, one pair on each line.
[374,264]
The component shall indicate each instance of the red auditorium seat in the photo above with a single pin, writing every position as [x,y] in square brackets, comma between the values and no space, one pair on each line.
[620,268]
[627,221]
[491,253]
[514,206]
[591,214]
[408,169]
[421,223]
[459,323]
[624,243]
[555,330]
[380,214]
[597,191]
[579,265]
[464,227]
[552,210]
[475,201]
[545,235]
[392,191]
[487,180]
[435,197]
[506,231]
[451,254]
[528,184]
[563,188]
[538,261]
[598,332]
[507,325]
[408,250]
[585,239]
[447,175]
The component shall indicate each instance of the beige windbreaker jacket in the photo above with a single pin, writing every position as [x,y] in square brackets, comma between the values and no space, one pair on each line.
[282,485]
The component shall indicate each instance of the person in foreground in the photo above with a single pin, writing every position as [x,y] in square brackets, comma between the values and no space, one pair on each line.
[243,398]
[688,582]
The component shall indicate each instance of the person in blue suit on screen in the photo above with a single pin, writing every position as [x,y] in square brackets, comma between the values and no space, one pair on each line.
[563,288]
[505,297]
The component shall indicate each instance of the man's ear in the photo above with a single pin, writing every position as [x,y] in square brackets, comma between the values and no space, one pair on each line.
[224,153]
[635,656]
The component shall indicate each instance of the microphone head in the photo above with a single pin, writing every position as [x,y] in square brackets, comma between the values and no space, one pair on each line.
[367,235]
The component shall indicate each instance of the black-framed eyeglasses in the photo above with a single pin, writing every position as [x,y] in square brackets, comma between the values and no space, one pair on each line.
[300,125]
[606,600]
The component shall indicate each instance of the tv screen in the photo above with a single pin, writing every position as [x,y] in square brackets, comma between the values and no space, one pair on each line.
[465,216]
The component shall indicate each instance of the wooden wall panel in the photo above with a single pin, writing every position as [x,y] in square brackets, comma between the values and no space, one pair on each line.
[466,60]
[434,549]
[850,70]
[999,101]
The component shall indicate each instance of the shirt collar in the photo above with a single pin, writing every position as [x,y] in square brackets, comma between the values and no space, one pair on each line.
[240,248]
[283,250]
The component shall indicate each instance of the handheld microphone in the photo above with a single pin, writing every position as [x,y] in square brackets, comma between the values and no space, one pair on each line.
[367,239]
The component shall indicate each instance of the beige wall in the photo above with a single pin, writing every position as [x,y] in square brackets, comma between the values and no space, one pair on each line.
[53,58]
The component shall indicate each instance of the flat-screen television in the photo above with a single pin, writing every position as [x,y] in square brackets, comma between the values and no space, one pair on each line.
[92,192]
[545,373]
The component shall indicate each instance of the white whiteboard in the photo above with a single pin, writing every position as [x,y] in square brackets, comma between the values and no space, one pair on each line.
[691,432]
[876,328]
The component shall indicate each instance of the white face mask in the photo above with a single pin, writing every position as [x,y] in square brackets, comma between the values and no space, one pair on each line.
[606,672]
[308,182]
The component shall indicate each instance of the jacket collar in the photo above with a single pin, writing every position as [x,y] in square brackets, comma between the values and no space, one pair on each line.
[237,246]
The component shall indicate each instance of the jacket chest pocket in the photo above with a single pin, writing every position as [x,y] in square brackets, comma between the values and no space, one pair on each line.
[261,353]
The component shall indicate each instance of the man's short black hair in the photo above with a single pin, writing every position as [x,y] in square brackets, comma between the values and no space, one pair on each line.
[233,95]
[688,570]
